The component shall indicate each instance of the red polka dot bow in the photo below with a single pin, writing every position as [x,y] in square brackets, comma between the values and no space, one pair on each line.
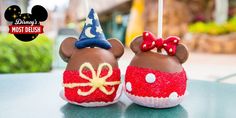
[150,42]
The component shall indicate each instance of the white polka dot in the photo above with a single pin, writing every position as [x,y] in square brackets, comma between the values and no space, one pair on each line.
[146,34]
[144,46]
[128,86]
[150,78]
[173,96]
[175,41]
[153,43]
[170,50]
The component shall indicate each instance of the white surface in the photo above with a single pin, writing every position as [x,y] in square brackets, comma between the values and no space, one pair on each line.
[155,102]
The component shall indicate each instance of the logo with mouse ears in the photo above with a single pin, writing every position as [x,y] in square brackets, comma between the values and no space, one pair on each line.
[26,26]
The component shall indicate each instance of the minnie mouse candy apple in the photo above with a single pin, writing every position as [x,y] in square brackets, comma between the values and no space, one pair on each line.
[153,79]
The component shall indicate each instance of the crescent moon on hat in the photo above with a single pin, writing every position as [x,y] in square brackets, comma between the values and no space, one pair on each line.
[88,33]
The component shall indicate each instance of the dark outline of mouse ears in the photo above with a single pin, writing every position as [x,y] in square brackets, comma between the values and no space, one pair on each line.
[12,12]
[39,13]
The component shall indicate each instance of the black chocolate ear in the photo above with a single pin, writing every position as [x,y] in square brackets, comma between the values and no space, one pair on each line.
[182,53]
[135,44]
[12,13]
[39,13]
[117,47]
[67,48]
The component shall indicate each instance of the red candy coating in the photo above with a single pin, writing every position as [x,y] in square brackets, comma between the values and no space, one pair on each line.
[165,82]
[97,96]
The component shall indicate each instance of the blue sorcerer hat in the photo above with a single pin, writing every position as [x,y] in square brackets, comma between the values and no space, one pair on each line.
[92,34]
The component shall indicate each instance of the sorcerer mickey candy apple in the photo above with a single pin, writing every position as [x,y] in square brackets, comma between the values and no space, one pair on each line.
[92,76]
[153,79]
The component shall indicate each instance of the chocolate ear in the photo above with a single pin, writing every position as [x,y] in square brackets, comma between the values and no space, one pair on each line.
[67,48]
[117,47]
[182,53]
[135,44]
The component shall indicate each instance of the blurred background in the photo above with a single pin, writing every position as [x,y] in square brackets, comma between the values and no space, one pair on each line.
[207,27]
